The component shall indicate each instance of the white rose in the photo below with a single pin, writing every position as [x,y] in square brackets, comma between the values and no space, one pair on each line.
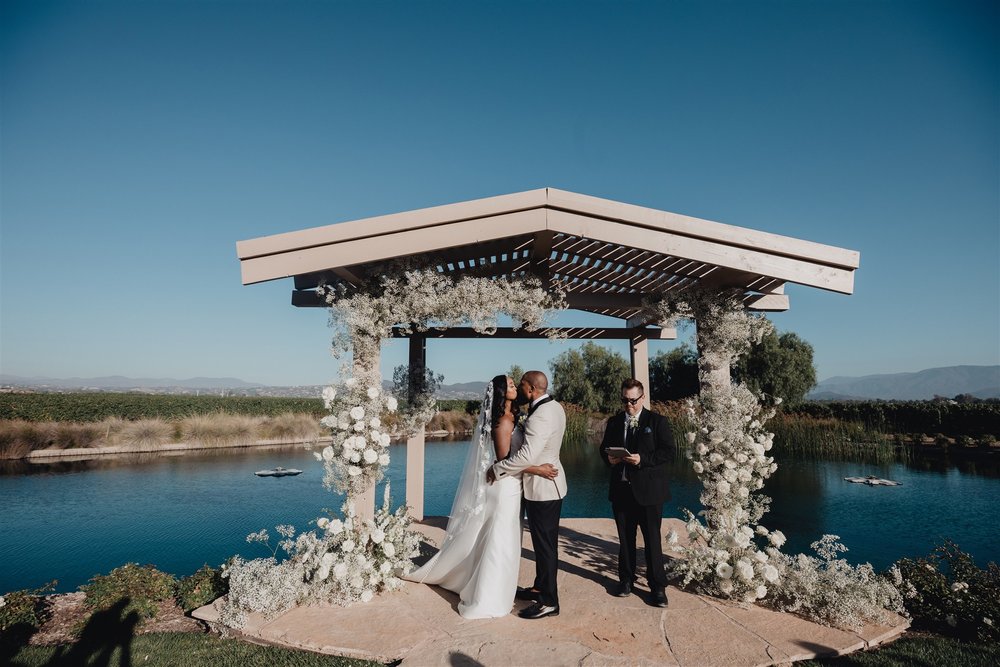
[761,592]
[730,464]
[724,570]
[383,459]
[743,492]
[340,571]
[374,422]
[329,421]
[348,545]
[701,449]
[353,471]
[729,476]
[384,567]
[777,538]
[744,569]
[328,453]
[760,556]
[367,596]
[350,382]
[715,458]
[357,581]
[691,437]
[360,559]
[726,586]
[329,394]
[2,602]
[385,440]
[371,456]
[723,488]
[319,457]
[336,527]
[391,403]
[770,573]
[389,549]
[698,467]
[742,458]
[741,540]
[344,425]
[761,530]
[378,535]
[357,412]
[373,392]
[324,566]
[359,427]
[347,453]
[322,522]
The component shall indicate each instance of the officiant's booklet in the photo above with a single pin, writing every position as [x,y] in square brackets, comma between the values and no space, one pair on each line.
[618,452]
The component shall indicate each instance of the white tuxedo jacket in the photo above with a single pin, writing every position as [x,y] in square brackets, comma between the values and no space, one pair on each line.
[542,439]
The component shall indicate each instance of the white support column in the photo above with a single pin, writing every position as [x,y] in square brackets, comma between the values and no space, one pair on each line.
[639,358]
[415,443]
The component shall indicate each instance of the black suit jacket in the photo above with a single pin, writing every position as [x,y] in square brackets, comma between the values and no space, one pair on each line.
[654,442]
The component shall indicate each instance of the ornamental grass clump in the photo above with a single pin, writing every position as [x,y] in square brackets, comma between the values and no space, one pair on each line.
[146,433]
[290,426]
[948,593]
[348,559]
[140,587]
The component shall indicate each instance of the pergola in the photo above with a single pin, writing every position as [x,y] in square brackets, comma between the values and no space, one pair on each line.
[607,256]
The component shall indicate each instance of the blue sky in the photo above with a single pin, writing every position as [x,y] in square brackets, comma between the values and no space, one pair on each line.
[139,141]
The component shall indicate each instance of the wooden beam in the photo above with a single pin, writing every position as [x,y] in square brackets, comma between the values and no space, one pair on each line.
[573,333]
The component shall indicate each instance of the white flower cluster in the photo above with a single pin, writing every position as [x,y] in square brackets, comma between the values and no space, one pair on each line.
[349,560]
[360,449]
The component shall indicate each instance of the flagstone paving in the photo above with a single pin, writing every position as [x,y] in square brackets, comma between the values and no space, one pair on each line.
[419,625]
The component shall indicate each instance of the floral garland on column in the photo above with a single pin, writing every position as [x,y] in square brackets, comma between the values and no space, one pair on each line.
[730,553]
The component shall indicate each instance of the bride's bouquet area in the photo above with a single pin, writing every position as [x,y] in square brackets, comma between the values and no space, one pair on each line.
[730,554]
[345,560]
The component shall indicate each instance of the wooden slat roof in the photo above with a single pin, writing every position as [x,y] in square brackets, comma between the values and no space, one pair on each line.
[607,255]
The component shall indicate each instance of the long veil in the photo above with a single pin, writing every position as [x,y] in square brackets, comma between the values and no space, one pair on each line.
[467,516]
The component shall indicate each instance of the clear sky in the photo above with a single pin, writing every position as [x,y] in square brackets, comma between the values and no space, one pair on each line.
[140,140]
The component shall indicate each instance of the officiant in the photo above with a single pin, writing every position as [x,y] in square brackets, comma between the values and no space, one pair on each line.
[638,444]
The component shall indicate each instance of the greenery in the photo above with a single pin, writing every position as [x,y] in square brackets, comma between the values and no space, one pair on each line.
[590,377]
[176,649]
[915,649]
[673,375]
[21,613]
[140,587]
[949,594]
[977,420]
[201,588]
[94,407]
[780,365]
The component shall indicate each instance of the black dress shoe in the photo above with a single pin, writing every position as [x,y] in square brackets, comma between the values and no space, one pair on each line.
[659,597]
[624,590]
[539,610]
[527,594]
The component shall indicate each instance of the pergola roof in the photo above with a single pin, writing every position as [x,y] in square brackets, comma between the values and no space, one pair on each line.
[607,255]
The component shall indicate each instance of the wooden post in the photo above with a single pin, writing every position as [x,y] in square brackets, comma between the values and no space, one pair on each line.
[639,358]
[415,443]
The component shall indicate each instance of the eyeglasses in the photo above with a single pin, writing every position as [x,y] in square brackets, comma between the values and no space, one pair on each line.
[631,401]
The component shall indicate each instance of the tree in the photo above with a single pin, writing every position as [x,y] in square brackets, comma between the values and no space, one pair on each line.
[779,366]
[590,377]
[673,375]
[515,372]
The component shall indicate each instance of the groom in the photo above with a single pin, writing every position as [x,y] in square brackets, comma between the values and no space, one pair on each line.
[543,434]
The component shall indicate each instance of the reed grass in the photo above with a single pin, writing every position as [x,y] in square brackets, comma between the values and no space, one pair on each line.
[219,429]
[453,421]
[801,436]
[144,433]
[290,426]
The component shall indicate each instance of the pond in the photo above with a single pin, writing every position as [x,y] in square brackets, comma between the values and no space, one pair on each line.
[72,520]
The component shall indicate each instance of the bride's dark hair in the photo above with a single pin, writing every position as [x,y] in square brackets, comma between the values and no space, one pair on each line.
[499,394]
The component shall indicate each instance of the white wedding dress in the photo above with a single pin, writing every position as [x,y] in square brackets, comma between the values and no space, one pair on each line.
[481,552]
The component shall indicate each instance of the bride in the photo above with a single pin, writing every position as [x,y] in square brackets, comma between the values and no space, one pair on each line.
[481,552]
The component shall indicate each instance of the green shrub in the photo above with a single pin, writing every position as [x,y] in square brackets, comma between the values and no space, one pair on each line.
[949,594]
[143,586]
[23,610]
[201,588]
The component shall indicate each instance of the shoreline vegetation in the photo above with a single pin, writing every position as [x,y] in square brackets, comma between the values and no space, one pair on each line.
[81,425]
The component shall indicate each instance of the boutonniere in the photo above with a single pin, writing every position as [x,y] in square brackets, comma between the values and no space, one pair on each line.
[521,418]
[632,421]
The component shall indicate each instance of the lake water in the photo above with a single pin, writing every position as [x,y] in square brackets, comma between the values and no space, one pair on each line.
[70,521]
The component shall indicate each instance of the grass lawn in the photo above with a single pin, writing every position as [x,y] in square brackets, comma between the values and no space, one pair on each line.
[919,649]
[175,649]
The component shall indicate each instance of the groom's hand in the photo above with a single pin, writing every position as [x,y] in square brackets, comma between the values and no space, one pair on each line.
[632,459]
[491,476]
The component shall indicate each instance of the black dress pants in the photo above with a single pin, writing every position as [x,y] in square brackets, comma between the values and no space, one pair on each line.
[630,515]
[543,523]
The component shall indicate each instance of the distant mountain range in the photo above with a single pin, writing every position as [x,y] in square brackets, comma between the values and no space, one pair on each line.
[950,381]
[980,381]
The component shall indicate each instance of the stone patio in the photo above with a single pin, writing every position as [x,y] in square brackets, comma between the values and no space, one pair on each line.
[419,625]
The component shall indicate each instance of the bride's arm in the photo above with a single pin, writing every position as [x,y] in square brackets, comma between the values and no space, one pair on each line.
[501,438]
